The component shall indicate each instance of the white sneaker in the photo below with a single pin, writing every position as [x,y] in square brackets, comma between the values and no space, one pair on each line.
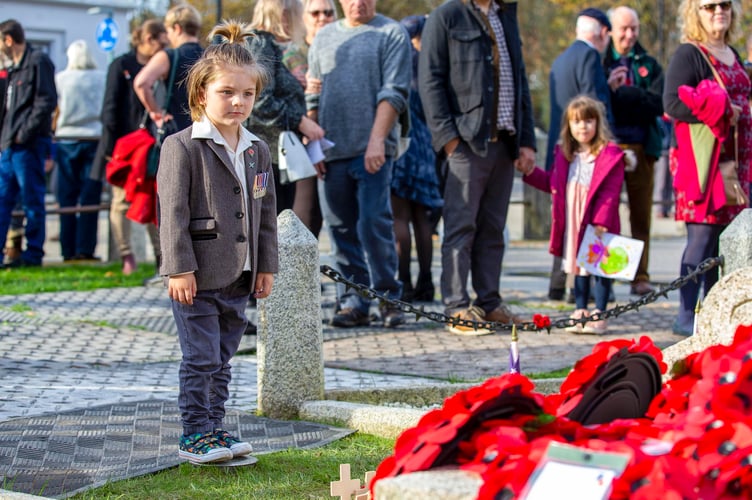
[577,314]
[598,327]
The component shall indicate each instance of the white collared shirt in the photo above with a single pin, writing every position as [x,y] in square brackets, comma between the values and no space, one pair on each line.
[205,129]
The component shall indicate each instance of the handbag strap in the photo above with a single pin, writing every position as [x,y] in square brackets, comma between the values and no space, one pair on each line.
[712,68]
[723,86]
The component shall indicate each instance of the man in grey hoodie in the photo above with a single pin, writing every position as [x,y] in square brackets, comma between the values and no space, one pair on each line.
[363,62]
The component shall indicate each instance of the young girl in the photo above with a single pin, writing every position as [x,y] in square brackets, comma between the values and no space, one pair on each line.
[585,182]
[219,235]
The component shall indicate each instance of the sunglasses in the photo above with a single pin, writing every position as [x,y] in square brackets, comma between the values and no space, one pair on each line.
[317,13]
[710,7]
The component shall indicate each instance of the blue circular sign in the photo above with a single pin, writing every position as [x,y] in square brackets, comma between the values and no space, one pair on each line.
[107,34]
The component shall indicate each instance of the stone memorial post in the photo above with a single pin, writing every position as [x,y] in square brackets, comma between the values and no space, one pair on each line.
[736,243]
[290,340]
[728,303]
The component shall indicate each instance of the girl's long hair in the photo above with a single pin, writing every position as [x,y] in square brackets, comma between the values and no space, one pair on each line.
[583,107]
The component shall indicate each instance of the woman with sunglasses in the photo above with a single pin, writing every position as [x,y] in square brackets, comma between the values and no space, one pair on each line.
[316,15]
[706,94]
[278,24]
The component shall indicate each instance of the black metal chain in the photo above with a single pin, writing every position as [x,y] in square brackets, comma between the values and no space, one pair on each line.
[420,312]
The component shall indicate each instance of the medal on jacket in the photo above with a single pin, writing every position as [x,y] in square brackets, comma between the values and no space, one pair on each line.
[259,184]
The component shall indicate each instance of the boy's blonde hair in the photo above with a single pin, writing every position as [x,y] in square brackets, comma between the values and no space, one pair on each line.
[583,108]
[231,51]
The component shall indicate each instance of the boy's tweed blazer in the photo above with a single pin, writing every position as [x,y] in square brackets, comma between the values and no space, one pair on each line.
[204,226]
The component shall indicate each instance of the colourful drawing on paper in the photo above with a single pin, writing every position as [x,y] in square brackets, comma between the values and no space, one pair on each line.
[610,255]
[610,260]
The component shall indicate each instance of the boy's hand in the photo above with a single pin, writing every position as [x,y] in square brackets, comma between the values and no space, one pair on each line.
[263,285]
[182,288]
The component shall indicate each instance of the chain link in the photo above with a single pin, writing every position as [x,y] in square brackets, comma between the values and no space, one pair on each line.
[420,312]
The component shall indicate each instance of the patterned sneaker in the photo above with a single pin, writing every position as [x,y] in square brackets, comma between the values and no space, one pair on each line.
[203,448]
[237,447]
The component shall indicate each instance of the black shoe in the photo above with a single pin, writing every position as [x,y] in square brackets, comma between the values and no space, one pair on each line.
[16,263]
[350,317]
[424,289]
[391,316]
[556,294]
[408,292]
[250,329]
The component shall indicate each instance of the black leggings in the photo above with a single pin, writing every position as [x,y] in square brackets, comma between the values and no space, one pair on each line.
[702,243]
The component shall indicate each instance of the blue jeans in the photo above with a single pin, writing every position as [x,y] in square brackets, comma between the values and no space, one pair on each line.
[78,232]
[601,291]
[357,208]
[22,174]
[209,332]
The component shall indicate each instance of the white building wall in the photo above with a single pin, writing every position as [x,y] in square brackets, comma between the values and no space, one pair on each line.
[54,24]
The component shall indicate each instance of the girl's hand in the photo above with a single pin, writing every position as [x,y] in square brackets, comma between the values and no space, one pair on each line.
[182,288]
[526,161]
[263,286]
[600,230]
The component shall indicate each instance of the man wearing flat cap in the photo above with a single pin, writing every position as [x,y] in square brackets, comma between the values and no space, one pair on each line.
[578,70]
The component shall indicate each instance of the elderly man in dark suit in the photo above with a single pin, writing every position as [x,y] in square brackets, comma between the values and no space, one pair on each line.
[578,70]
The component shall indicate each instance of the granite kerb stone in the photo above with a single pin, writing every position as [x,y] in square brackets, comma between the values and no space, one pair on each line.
[290,340]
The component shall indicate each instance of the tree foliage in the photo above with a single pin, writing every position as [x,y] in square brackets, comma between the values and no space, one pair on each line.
[546,27]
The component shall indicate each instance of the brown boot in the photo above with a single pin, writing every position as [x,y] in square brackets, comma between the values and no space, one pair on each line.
[13,249]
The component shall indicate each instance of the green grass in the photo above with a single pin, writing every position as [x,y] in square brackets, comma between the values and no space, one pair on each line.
[287,475]
[561,373]
[64,277]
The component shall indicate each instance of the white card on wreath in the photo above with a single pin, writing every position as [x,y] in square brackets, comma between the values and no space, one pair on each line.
[567,471]
[610,255]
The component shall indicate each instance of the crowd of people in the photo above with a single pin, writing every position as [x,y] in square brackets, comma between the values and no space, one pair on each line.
[456,79]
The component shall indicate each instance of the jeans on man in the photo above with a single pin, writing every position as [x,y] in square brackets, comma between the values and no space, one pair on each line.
[78,232]
[357,209]
[22,174]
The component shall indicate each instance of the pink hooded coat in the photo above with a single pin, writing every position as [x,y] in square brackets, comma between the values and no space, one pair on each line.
[602,204]
[702,184]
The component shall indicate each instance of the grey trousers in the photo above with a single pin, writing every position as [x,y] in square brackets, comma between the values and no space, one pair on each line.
[476,201]
[209,332]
